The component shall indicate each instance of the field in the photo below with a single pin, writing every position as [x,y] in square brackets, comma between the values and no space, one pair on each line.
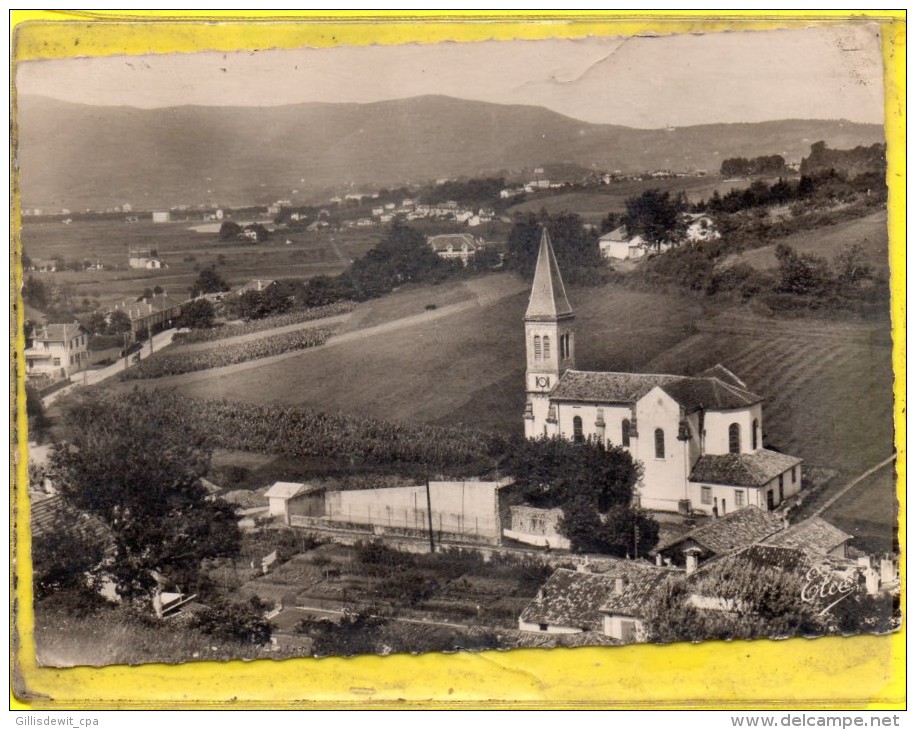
[460,363]
[594,205]
[870,231]
[184,251]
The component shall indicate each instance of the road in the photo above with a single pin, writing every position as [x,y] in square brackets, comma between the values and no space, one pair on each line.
[94,377]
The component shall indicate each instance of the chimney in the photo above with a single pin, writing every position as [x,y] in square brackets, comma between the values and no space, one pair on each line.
[658,560]
[619,583]
[693,559]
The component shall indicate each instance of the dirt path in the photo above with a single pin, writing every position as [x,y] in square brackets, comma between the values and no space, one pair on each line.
[824,507]
[485,292]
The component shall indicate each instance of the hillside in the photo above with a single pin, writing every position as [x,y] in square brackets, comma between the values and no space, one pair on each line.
[78,156]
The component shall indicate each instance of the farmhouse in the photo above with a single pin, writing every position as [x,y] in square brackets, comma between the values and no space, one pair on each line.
[144,258]
[699,439]
[451,246]
[57,351]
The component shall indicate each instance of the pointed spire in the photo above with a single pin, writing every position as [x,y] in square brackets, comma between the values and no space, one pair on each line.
[548,295]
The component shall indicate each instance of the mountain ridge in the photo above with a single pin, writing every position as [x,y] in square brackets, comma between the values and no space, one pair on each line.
[236,155]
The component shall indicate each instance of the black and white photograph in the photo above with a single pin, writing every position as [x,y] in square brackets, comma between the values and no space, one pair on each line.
[438,347]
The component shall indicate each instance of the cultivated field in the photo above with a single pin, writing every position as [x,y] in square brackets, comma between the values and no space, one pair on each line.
[594,205]
[870,231]
[184,251]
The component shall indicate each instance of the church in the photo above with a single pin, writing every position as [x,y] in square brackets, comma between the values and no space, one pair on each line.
[699,439]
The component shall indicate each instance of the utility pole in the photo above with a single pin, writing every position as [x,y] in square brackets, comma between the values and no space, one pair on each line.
[429,513]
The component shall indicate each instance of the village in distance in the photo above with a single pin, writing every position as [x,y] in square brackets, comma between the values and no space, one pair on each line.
[549,404]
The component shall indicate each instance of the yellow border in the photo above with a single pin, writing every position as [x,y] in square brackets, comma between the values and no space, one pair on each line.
[850,673]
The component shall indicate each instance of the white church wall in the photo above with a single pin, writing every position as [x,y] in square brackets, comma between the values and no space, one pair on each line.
[718,422]
[664,481]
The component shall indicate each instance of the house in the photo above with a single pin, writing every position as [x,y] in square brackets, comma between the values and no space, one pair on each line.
[536,526]
[143,258]
[57,351]
[452,246]
[698,438]
[734,531]
[161,216]
[613,603]
[293,498]
[150,313]
[620,246]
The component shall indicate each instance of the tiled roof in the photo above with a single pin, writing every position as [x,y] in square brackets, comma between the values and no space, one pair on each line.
[735,530]
[742,470]
[618,234]
[255,285]
[693,394]
[52,512]
[58,332]
[814,535]
[456,240]
[288,490]
[579,385]
[145,307]
[548,295]
[580,599]
[637,589]
[570,598]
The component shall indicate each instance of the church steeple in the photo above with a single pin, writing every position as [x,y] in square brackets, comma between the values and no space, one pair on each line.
[548,295]
[548,341]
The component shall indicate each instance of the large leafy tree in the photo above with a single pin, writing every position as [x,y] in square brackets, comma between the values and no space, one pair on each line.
[575,246]
[134,461]
[655,215]
[593,484]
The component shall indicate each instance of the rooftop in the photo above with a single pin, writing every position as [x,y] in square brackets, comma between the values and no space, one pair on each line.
[570,598]
[288,490]
[58,332]
[742,470]
[710,392]
[456,240]
[815,535]
[735,530]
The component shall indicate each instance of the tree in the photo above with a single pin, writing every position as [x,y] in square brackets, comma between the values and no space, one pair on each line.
[745,601]
[656,216]
[574,246]
[851,264]
[244,622]
[208,282]
[35,293]
[134,460]
[118,322]
[801,273]
[197,314]
[65,559]
[593,484]
[229,231]
[35,413]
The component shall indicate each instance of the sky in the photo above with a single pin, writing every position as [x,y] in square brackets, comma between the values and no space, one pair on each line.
[824,72]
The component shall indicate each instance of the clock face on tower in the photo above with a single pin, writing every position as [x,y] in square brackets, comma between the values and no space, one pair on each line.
[542,381]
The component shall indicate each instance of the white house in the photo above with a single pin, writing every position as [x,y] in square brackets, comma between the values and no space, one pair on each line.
[57,351]
[699,439]
[286,499]
[161,216]
[620,246]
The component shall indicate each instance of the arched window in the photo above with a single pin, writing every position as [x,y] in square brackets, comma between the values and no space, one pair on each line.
[659,443]
[625,432]
[546,347]
[537,347]
[734,439]
[577,430]
[754,427]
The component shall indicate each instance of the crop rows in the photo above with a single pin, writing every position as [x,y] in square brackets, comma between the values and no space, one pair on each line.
[259,325]
[297,431]
[168,363]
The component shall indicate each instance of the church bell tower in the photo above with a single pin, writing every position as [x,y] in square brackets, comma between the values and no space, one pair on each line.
[549,341]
